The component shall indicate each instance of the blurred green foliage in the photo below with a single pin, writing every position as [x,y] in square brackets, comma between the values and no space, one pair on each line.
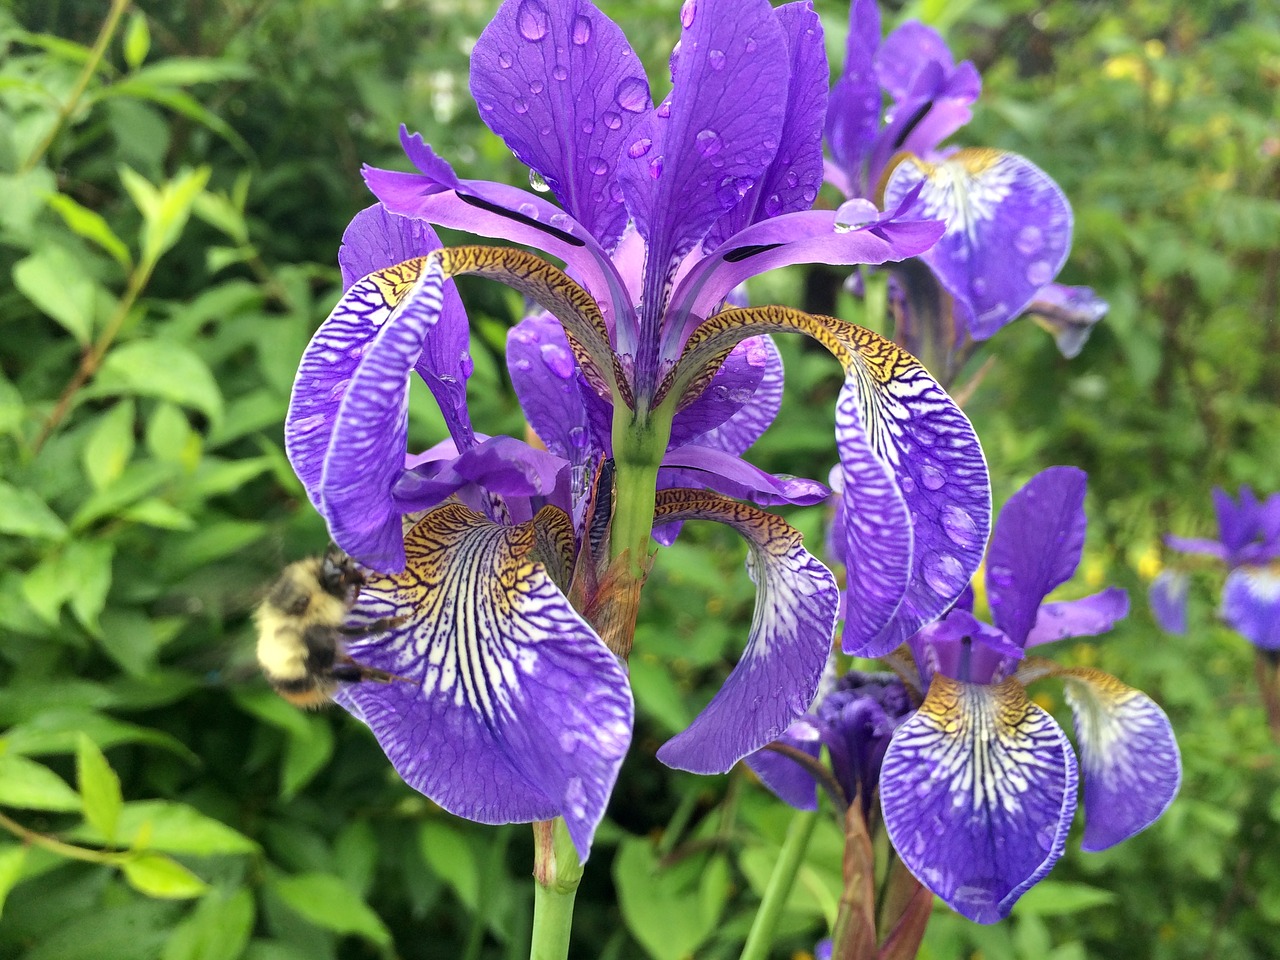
[172,190]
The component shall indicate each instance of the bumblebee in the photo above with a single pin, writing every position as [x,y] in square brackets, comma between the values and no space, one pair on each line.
[301,626]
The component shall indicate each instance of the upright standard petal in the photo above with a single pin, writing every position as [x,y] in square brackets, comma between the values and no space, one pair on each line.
[697,154]
[853,115]
[1036,547]
[1008,230]
[1129,758]
[1251,605]
[978,789]
[377,239]
[1168,599]
[1086,617]
[560,85]
[1069,314]
[508,707]
[777,677]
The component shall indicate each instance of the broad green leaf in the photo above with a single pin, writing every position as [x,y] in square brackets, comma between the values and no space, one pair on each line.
[162,877]
[304,757]
[24,514]
[220,211]
[53,280]
[88,565]
[453,860]
[328,902]
[172,827]
[158,513]
[670,911]
[110,446]
[657,695]
[185,71]
[217,929]
[167,212]
[33,786]
[47,586]
[215,540]
[57,730]
[144,194]
[137,40]
[137,481]
[12,859]
[133,930]
[99,789]
[170,437]
[24,203]
[182,103]
[91,225]
[164,369]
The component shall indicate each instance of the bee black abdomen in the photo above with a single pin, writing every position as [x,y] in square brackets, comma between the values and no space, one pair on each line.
[322,643]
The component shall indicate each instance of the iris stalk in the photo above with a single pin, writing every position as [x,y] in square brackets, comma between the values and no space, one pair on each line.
[783,878]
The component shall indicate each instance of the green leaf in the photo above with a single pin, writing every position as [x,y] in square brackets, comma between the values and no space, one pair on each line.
[88,566]
[160,514]
[162,877]
[33,786]
[328,902]
[12,859]
[165,212]
[305,756]
[217,929]
[671,911]
[170,437]
[53,280]
[58,729]
[137,481]
[110,446]
[163,369]
[144,195]
[173,827]
[24,514]
[99,789]
[185,71]
[46,587]
[452,859]
[1058,898]
[137,40]
[90,225]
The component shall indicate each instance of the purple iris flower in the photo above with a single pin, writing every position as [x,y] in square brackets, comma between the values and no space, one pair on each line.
[1249,544]
[978,785]
[1008,224]
[663,212]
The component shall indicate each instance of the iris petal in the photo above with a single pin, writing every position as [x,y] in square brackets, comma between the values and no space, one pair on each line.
[1168,599]
[1086,617]
[1036,547]
[853,115]
[795,614]
[793,784]
[978,789]
[739,403]
[1128,756]
[1251,605]
[539,68]
[1008,230]
[509,707]
[916,488]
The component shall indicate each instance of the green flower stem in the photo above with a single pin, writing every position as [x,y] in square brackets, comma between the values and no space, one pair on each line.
[558,873]
[639,443]
[53,845]
[760,939]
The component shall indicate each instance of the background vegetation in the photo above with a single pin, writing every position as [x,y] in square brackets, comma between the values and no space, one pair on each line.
[169,218]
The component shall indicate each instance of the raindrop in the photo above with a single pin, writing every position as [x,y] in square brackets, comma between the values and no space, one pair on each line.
[559,72]
[562,221]
[466,366]
[520,105]
[528,210]
[664,109]
[532,19]
[558,360]
[716,58]
[611,120]
[687,12]
[632,94]
[1039,273]
[1000,576]
[598,165]
[772,205]
[750,45]
[708,142]
[944,574]
[809,194]
[741,395]
[979,285]
[908,486]
[588,126]
[932,477]
[731,190]
[523,365]
[504,61]
[535,86]
[581,29]
[615,191]
[639,148]
[537,182]
[578,437]
[960,527]
[1030,241]
[655,167]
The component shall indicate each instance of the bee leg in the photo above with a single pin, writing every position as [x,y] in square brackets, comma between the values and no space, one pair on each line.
[372,629]
[352,672]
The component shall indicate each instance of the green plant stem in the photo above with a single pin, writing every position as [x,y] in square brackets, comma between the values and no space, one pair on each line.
[96,54]
[558,873]
[54,845]
[90,362]
[790,857]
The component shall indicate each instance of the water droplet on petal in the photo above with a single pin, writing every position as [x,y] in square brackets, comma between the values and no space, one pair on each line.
[558,360]
[611,120]
[523,365]
[932,477]
[708,142]
[632,94]
[520,105]
[639,148]
[772,205]
[528,210]
[716,58]
[655,167]
[664,109]
[504,61]
[559,72]
[598,165]
[581,29]
[960,526]
[588,126]
[979,285]
[1039,273]
[578,437]
[945,574]
[537,182]
[466,366]
[531,19]
[750,45]
[562,221]
[535,86]
[688,10]
[908,485]
[1000,576]
[1029,241]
